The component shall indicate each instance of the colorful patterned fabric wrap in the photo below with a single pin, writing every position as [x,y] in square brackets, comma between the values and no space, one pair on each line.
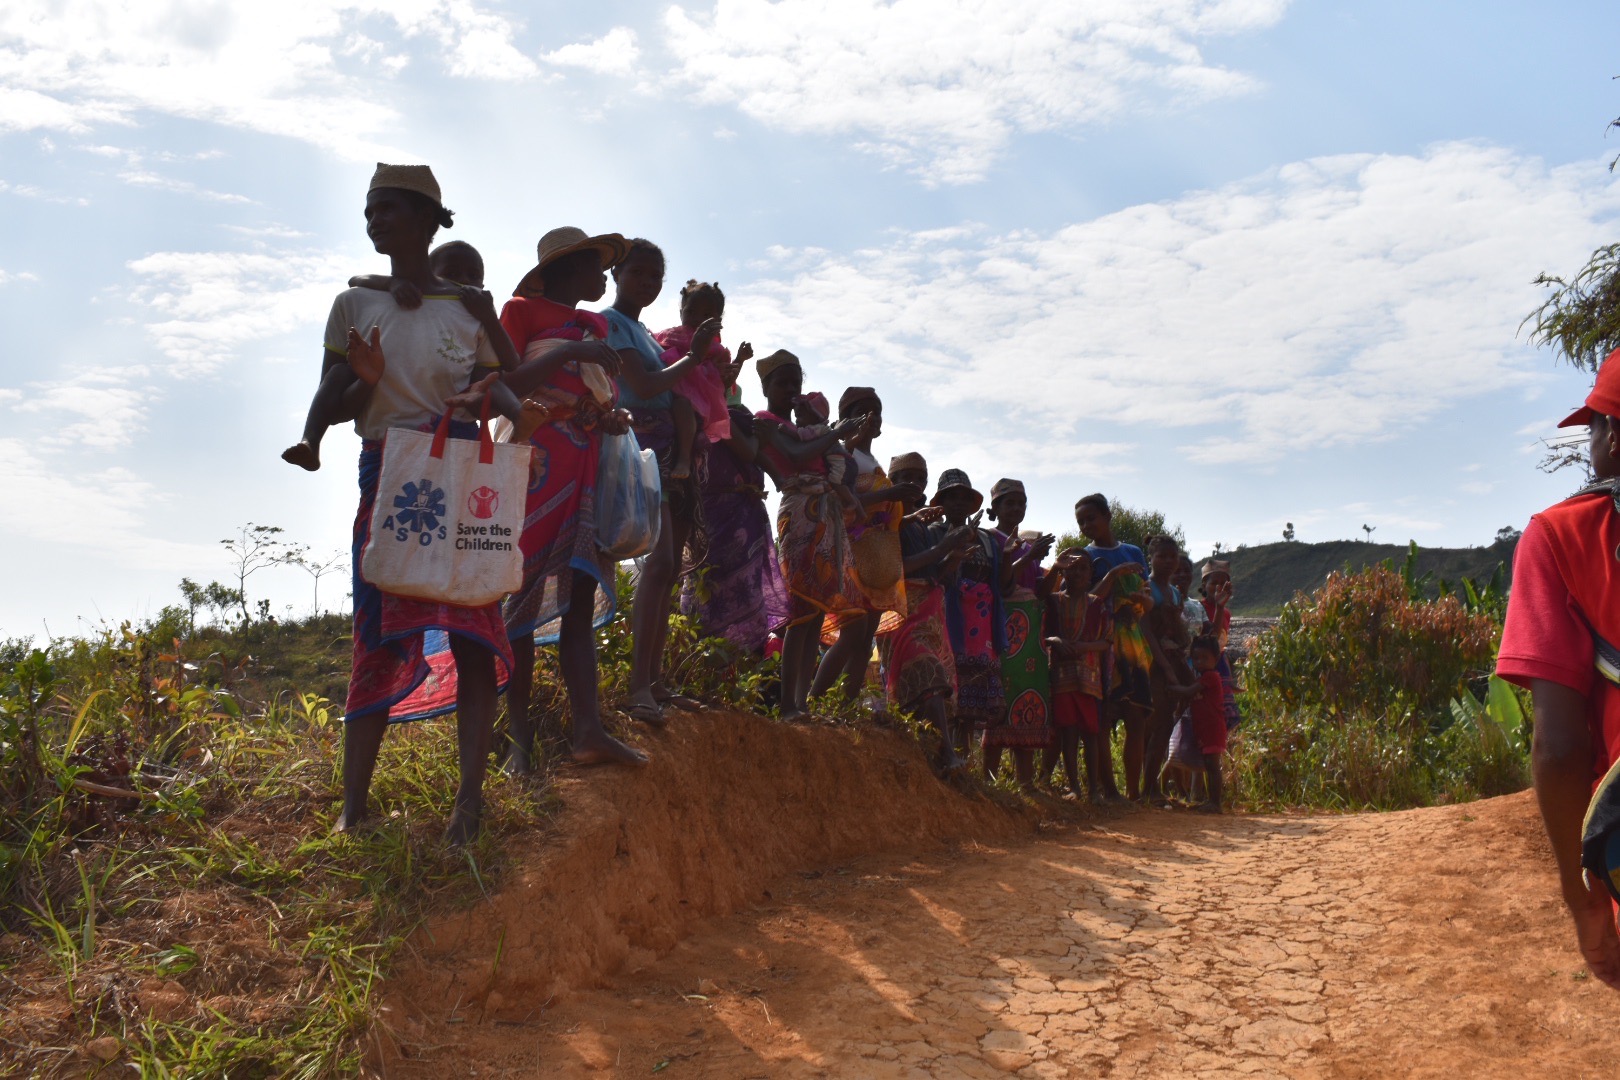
[1078,618]
[559,520]
[813,550]
[917,659]
[980,699]
[402,662]
[736,592]
[1027,721]
[879,566]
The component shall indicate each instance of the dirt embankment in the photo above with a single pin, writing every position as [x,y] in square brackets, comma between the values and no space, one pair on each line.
[730,803]
[1425,943]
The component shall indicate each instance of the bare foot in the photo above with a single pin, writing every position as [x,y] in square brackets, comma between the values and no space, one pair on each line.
[795,716]
[348,821]
[519,762]
[534,415]
[681,469]
[1207,808]
[462,828]
[604,749]
[303,455]
[642,707]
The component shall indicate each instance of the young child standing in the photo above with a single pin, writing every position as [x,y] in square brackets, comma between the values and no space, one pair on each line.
[1209,720]
[1561,618]
[701,397]
[810,415]
[1078,628]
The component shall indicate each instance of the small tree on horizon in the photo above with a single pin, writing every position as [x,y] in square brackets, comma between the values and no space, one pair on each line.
[1369,530]
[252,549]
[1288,532]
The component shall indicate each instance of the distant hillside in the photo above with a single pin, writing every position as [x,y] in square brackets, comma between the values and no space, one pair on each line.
[1266,577]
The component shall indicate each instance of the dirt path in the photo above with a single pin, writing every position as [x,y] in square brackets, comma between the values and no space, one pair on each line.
[1157,944]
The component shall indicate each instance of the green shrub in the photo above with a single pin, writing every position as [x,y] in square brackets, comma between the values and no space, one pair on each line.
[1362,645]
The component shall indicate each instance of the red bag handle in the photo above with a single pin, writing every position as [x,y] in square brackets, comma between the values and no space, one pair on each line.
[486,441]
[441,433]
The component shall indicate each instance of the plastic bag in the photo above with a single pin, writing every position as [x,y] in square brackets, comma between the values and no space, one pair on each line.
[628,494]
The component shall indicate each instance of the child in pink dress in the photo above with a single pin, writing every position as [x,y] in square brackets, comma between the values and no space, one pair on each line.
[701,394]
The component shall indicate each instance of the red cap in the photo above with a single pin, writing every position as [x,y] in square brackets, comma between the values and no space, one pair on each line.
[1604,398]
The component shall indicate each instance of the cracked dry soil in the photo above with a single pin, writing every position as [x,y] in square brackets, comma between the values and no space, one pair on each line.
[1156,944]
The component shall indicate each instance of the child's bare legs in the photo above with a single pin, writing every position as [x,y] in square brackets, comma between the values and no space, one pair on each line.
[1135,720]
[685,417]
[649,622]
[1217,785]
[1068,746]
[475,723]
[1096,765]
[306,452]
[1161,723]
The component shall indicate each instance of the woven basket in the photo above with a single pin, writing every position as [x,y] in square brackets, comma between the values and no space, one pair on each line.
[878,562]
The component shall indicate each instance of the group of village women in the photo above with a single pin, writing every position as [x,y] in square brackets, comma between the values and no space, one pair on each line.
[975,636]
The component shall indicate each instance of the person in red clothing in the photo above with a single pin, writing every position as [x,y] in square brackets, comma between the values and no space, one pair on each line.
[1209,717]
[1561,614]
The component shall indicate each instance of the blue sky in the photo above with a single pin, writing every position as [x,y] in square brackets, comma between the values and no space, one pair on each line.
[1245,261]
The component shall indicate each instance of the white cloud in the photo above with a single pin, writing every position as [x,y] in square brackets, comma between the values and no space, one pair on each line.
[103,511]
[208,304]
[142,178]
[29,191]
[1328,303]
[614,53]
[941,85]
[270,68]
[7,276]
[110,404]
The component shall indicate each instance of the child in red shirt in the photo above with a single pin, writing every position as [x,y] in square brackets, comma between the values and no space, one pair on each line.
[1566,584]
[1208,720]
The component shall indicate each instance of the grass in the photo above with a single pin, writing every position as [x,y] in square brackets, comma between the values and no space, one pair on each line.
[212,926]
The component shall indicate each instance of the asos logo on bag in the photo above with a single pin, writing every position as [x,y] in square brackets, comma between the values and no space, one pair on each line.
[483,503]
[417,510]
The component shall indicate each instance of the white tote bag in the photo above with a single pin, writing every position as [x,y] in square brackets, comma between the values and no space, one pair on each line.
[448,515]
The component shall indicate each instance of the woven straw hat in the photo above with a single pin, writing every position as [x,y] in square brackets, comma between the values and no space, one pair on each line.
[565,241]
[417,178]
[913,460]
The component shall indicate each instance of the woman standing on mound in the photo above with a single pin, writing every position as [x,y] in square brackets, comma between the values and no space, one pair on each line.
[919,660]
[413,366]
[1026,726]
[812,544]
[646,389]
[568,366]
[879,567]
[737,592]
[973,610]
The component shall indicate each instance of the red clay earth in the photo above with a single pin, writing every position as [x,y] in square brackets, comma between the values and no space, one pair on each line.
[782,902]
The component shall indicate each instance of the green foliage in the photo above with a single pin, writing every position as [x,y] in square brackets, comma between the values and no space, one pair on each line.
[1361,697]
[1364,645]
[1580,319]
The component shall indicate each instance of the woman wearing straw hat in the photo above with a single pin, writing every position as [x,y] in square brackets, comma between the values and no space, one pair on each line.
[879,567]
[811,542]
[973,610]
[646,389]
[412,658]
[569,586]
